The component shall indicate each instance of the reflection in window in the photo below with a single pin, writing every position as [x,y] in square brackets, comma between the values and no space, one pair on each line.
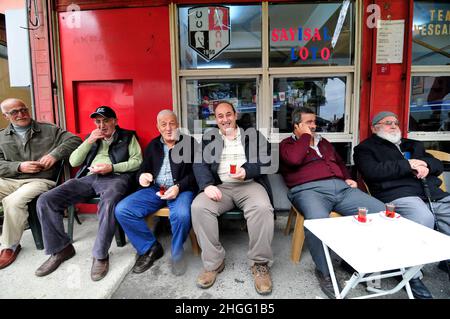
[244,50]
[430,104]
[326,96]
[431,33]
[302,34]
[203,95]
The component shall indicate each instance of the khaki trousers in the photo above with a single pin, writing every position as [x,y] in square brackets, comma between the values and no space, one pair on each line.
[15,195]
[252,199]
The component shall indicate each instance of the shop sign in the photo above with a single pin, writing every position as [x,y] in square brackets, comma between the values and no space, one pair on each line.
[315,35]
[209,30]
[437,22]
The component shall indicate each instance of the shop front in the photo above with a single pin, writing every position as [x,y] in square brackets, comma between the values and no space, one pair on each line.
[267,58]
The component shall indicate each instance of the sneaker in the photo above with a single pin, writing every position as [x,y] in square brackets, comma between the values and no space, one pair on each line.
[179,266]
[207,278]
[261,276]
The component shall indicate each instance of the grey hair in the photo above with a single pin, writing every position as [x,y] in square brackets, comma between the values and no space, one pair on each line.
[11,101]
[165,112]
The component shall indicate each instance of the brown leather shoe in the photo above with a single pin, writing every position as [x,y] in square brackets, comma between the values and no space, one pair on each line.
[261,276]
[99,268]
[207,278]
[7,256]
[51,264]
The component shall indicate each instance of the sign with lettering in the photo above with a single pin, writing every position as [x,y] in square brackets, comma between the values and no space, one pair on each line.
[209,30]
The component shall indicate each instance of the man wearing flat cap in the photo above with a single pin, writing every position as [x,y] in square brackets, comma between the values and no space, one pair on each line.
[109,157]
[397,170]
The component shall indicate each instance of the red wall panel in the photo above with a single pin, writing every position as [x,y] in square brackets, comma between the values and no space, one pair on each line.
[120,58]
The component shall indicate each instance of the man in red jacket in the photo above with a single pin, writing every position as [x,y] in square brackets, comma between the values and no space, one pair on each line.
[319,183]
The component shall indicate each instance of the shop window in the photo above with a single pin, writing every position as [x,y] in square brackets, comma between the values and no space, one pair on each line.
[311,34]
[324,95]
[431,33]
[204,94]
[244,49]
[429,112]
[430,104]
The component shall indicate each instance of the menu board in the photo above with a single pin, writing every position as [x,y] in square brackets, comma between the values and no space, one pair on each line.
[390,35]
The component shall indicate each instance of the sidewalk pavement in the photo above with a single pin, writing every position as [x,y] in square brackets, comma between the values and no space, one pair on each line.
[296,281]
[72,279]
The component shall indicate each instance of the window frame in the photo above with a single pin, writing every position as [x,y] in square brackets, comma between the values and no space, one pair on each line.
[265,74]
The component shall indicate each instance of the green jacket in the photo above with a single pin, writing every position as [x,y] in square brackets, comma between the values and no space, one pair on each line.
[43,139]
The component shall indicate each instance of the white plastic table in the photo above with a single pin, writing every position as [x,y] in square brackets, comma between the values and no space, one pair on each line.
[395,247]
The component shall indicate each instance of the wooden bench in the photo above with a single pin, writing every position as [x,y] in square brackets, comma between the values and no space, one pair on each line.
[298,237]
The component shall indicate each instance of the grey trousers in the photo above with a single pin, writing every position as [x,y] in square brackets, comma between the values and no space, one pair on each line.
[415,209]
[51,205]
[15,195]
[253,200]
[317,199]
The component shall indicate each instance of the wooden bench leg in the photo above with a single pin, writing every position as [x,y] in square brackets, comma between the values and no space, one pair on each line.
[195,246]
[287,230]
[298,238]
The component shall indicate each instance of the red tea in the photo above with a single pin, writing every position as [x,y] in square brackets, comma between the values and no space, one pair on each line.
[232,168]
[162,189]
[362,218]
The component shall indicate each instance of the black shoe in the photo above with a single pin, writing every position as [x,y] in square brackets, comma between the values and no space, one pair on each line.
[145,261]
[347,268]
[419,290]
[444,265]
[326,284]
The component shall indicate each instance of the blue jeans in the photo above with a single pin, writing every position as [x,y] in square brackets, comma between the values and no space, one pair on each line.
[132,211]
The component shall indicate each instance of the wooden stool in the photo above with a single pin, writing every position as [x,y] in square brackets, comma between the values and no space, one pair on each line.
[298,238]
[164,212]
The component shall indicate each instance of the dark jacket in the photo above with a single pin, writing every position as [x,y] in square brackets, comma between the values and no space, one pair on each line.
[208,156]
[388,174]
[301,164]
[181,157]
[118,150]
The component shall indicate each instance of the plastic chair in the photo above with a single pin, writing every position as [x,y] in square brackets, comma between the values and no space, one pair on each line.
[33,220]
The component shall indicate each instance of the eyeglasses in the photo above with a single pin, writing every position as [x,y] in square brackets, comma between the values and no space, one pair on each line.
[23,110]
[389,123]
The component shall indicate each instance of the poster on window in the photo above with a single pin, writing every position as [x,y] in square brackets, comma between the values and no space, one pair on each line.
[209,30]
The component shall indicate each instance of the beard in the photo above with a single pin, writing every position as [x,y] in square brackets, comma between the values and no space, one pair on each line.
[391,137]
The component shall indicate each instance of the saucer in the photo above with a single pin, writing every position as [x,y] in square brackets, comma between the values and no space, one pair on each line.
[369,220]
[159,194]
[383,215]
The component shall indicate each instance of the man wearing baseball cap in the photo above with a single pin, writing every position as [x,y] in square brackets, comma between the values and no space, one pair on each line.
[109,157]
[397,170]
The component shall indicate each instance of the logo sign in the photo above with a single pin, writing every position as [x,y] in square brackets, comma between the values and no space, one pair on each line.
[209,30]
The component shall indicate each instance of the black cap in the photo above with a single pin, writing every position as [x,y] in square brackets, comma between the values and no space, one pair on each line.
[104,111]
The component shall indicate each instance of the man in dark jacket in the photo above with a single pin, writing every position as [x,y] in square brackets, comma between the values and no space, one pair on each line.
[28,153]
[319,183]
[227,174]
[166,179]
[109,157]
[397,169]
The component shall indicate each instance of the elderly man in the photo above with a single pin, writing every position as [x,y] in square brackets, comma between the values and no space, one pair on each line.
[109,157]
[397,170]
[230,175]
[28,153]
[319,183]
[167,167]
